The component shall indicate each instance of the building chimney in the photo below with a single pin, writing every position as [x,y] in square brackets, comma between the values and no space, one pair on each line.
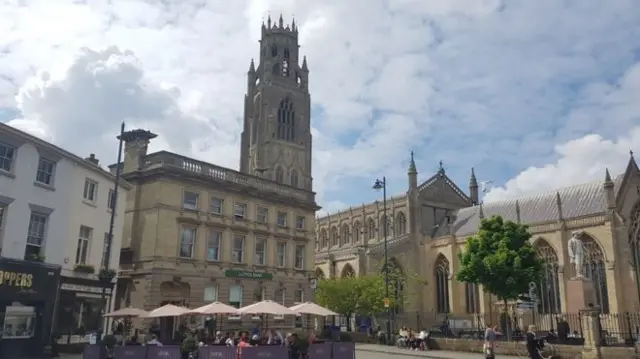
[92,158]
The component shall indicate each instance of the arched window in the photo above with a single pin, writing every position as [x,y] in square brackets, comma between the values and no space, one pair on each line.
[549,286]
[371,229]
[320,274]
[472,297]
[594,268]
[294,177]
[396,282]
[355,233]
[401,224]
[279,175]
[442,284]
[324,239]
[334,236]
[634,242]
[347,271]
[286,53]
[344,238]
[385,223]
[274,50]
[286,121]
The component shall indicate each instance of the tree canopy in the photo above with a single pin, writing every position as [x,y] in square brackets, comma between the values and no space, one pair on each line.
[352,295]
[501,258]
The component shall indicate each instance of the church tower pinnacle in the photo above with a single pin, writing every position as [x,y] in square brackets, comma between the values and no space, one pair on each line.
[276,137]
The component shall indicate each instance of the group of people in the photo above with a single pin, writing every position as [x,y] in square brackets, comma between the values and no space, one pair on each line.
[408,339]
[533,342]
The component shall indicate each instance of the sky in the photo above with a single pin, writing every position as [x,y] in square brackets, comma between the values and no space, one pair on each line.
[533,95]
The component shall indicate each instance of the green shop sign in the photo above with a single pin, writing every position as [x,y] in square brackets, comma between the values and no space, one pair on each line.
[239,273]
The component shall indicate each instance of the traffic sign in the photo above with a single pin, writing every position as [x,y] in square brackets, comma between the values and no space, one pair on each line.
[387,302]
[525,305]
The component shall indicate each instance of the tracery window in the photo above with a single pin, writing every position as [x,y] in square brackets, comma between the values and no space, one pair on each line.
[549,286]
[371,229]
[344,238]
[442,284]
[595,269]
[472,298]
[286,121]
[401,224]
[634,241]
[355,233]
[334,236]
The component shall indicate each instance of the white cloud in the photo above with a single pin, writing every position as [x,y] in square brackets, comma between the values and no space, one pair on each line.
[583,159]
[453,80]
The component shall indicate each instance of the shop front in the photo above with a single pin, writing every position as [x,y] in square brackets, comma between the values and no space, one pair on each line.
[28,294]
[80,307]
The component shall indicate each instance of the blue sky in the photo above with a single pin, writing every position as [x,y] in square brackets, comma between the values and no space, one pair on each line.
[533,94]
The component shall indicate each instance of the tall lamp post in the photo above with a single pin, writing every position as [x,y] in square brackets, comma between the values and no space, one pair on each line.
[382,185]
[104,272]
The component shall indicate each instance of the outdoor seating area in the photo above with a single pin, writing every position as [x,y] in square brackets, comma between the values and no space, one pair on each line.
[208,342]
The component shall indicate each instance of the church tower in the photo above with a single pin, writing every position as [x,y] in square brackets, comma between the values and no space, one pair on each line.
[276,138]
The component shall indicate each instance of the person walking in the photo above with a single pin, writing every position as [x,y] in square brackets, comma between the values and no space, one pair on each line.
[533,343]
[490,336]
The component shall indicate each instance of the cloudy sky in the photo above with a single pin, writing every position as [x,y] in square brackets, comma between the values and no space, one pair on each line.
[533,94]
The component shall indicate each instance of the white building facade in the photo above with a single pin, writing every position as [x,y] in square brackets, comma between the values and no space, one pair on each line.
[55,207]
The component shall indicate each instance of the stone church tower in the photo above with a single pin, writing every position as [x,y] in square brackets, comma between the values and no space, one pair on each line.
[276,139]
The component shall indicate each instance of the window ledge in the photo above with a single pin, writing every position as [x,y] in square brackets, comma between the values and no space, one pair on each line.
[212,260]
[7,174]
[48,187]
[89,203]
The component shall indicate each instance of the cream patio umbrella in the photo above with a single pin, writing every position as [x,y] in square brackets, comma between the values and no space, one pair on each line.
[214,308]
[168,310]
[312,308]
[128,312]
[266,307]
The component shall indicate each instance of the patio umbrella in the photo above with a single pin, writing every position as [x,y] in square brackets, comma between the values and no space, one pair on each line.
[168,310]
[312,309]
[214,308]
[266,307]
[128,312]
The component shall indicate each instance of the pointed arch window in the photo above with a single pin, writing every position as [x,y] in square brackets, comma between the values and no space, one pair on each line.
[472,298]
[355,233]
[334,236]
[294,177]
[371,229]
[348,271]
[442,284]
[286,53]
[324,238]
[286,121]
[549,286]
[634,242]
[595,269]
[344,238]
[279,175]
[401,224]
[386,229]
[274,50]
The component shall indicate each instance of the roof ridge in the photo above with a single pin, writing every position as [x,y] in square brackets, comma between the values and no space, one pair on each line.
[551,191]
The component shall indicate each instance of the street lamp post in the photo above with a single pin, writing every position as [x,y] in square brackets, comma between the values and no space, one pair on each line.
[109,239]
[382,185]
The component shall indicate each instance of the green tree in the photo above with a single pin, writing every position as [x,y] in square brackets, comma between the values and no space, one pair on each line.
[352,295]
[500,257]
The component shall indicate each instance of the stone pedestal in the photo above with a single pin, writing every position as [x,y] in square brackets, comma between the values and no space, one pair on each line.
[581,294]
[590,318]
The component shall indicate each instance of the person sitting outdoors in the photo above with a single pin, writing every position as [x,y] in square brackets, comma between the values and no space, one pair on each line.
[402,337]
[422,340]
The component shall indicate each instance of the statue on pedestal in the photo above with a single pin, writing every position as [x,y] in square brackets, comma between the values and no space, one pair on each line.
[576,252]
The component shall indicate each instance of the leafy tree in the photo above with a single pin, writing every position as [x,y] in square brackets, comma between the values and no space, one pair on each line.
[398,279]
[352,295]
[500,257]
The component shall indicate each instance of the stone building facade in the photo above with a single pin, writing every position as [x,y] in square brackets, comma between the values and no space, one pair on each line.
[196,232]
[428,227]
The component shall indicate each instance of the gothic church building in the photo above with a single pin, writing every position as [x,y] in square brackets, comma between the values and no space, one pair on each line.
[428,225]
